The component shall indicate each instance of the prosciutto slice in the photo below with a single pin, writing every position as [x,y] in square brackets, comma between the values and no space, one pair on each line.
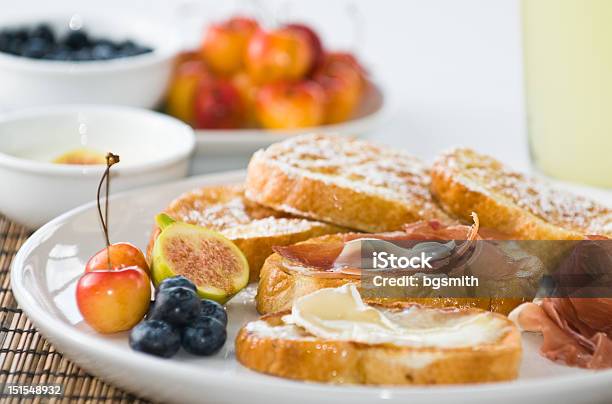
[322,257]
[576,331]
[319,256]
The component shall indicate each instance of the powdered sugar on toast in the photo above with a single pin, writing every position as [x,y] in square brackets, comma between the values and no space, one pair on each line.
[356,164]
[226,210]
[485,175]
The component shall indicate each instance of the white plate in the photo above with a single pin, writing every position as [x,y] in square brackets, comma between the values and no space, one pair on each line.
[226,149]
[43,279]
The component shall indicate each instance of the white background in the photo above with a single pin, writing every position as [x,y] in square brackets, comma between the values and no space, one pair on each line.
[451,68]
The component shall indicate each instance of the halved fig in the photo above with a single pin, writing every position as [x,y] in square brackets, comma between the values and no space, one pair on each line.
[212,262]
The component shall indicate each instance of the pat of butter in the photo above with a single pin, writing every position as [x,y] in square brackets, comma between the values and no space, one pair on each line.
[340,314]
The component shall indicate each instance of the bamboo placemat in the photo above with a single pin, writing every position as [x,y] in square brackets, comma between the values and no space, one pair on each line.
[26,358]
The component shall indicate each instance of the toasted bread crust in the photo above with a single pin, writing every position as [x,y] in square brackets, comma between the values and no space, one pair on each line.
[255,229]
[344,181]
[278,288]
[463,181]
[355,363]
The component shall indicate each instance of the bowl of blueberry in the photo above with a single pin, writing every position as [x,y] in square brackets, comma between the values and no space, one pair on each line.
[85,59]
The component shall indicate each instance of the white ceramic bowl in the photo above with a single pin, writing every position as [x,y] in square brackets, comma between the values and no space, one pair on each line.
[153,148]
[138,81]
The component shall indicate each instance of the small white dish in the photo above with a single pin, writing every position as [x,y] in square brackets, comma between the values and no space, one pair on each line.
[138,81]
[46,268]
[229,149]
[153,148]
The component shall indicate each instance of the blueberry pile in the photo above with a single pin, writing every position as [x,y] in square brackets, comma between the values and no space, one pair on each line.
[179,318]
[41,42]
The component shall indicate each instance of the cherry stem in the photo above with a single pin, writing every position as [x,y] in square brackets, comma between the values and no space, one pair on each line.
[111,159]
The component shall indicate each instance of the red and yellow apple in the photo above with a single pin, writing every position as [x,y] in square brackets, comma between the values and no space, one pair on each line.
[316,45]
[247,89]
[182,90]
[114,300]
[218,105]
[282,54]
[290,105]
[121,255]
[187,56]
[345,59]
[225,44]
[343,81]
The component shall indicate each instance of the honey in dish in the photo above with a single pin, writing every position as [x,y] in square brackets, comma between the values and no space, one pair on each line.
[81,156]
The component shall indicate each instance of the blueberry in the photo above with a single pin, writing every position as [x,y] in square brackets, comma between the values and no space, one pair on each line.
[44,32]
[205,336]
[210,308]
[178,306]
[35,48]
[102,52]
[156,338]
[59,53]
[15,48]
[76,39]
[5,40]
[139,50]
[81,55]
[20,35]
[127,46]
[101,41]
[178,280]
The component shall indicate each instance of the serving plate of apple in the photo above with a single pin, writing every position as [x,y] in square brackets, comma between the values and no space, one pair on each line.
[246,86]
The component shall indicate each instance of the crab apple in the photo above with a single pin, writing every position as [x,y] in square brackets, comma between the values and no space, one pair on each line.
[186,57]
[343,82]
[225,44]
[182,90]
[218,105]
[119,255]
[114,300]
[282,54]
[315,42]
[333,59]
[247,89]
[287,105]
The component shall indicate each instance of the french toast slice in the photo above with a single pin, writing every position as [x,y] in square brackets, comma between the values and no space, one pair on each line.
[271,346]
[344,181]
[280,285]
[464,181]
[255,229]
